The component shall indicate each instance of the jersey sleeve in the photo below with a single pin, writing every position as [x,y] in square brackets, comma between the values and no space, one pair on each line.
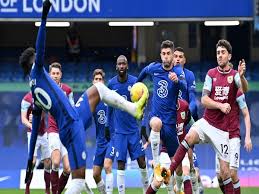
[36,119]
[25,105]
[241,101]
[207,83]
[237,80]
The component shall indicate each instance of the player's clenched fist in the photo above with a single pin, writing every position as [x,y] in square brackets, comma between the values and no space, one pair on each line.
[225,108]
[172,76]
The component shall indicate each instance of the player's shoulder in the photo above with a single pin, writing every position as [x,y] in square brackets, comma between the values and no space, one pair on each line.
[188,72]
[233,72]
[154,65]
[66,88]
[213,71]
[28,97]
[113,81]
[132,78]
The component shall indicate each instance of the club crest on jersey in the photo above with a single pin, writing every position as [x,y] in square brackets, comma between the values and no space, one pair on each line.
[183,115]
[230,79]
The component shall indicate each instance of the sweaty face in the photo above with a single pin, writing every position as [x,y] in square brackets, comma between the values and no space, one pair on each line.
[55,74]
[122,68]
[223,57]
[166,55]
[179,58]
[98,78]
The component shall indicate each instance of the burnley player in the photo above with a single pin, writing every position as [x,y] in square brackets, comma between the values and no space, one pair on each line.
[219,91]
[41,143]
[48,96]
[126,137]
[58,150]
[234,131]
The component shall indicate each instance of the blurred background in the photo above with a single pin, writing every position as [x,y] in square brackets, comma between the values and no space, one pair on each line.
[88,40]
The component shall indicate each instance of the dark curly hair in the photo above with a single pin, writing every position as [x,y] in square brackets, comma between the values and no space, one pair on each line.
[25,60]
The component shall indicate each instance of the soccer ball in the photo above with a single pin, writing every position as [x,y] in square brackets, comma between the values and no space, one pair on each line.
[137,91]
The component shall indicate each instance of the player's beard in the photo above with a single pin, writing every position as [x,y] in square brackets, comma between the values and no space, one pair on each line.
[167,64]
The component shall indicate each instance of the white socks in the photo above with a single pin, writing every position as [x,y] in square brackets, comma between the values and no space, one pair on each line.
[88,189]
[121,181]
[109,183]
[155,140]
[179,181]
[144,178]
[115,100]
[101,187]
[76,186]
[170,186]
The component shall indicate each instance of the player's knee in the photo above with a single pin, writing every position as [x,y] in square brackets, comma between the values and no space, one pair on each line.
[142,162]
[234,175]
[192,137]
[121,165]
[96,176]
[107,166]
[67,169]
[47,163]
[155,124]
[224,171]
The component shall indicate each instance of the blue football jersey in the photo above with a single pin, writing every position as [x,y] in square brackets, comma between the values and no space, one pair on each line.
[190,94]
[100,118]
[123,122]
[47,95]
[165,92]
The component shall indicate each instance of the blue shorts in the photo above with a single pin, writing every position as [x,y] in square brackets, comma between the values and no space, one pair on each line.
[83,108]
[102,152]
[73,138]
[169,138]
[128,142]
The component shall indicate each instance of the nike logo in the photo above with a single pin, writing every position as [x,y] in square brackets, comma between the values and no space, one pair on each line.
[4,178]
[115,90]
[155,74]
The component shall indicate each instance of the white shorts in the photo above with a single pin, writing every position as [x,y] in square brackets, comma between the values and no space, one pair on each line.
[164,160]
[42,144]
[235,144]
[219,139]
[56,144]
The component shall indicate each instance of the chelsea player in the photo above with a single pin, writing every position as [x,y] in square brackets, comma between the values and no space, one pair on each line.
[71,121]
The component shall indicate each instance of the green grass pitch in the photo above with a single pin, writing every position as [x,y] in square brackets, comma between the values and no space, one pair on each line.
[132,191]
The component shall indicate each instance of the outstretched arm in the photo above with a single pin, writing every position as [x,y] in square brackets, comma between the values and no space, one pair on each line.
[41,37]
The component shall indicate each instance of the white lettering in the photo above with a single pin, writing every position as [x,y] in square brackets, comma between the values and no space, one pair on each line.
[35,6]
[94,4]
[68,8]
[82,8]
[55,5]
[5,3]
[13,2]
[25,8]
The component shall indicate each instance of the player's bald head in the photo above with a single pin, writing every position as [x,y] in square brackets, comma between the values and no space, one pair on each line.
[122,59]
